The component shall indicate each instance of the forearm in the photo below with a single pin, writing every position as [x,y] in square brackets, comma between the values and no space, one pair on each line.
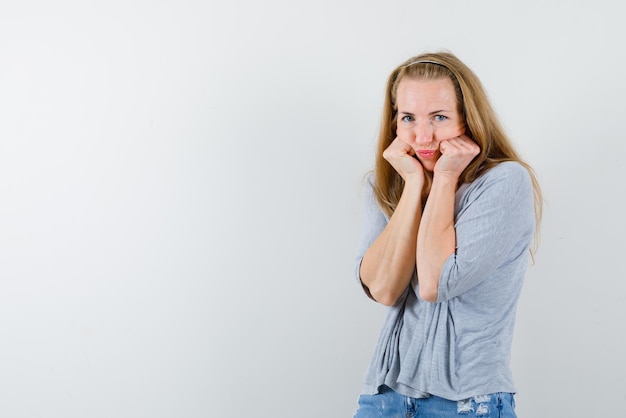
[436,238]
[389,263]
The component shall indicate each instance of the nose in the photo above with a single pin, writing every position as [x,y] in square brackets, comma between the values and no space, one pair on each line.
[423,133]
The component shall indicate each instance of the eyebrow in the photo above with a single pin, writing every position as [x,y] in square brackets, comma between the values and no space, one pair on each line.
[431,113]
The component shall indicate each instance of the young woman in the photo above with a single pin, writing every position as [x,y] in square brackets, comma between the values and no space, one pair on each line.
[451,212]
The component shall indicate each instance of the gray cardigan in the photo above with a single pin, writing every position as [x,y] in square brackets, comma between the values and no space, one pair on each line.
[460,346]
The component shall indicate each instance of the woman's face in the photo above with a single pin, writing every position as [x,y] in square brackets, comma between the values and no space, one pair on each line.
[427,114]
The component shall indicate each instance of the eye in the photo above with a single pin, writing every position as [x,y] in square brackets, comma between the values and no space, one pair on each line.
[407,118]
[440,118]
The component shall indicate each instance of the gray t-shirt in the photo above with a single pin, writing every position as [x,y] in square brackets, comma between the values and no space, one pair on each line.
[460,346]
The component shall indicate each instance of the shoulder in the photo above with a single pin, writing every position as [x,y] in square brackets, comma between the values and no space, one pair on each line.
[509,175]
[503,192]
[508,183]
[369,195]
[368,179]
[508,170]
[367,186]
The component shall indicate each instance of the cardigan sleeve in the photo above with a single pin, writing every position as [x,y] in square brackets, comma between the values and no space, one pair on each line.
[494,226]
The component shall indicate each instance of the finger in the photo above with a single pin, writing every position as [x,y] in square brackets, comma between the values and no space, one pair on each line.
[462,145]
[450,147]
[402,146]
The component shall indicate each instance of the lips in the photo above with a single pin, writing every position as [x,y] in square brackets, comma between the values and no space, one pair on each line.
[424,153]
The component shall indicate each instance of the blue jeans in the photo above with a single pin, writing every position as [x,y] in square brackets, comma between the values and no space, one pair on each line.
[390,404]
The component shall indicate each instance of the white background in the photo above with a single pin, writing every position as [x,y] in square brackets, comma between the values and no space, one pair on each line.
[180,207]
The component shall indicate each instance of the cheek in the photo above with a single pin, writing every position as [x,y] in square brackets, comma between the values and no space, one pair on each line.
[449,132]
[461,128]
[404,139]
[403,132]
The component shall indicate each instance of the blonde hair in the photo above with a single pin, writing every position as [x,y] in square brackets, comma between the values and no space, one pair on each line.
[481,124]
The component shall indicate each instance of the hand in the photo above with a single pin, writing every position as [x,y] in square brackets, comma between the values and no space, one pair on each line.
[456,154]
[402,158]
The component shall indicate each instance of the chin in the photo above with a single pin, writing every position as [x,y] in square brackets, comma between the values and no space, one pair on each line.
[428,166]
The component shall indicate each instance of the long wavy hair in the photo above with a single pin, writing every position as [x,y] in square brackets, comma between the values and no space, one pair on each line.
[481,124]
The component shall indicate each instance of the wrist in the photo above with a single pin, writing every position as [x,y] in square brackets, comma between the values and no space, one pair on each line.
[445,180]
[414,182]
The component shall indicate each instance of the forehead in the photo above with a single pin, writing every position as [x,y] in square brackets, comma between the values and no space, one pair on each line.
[414,92]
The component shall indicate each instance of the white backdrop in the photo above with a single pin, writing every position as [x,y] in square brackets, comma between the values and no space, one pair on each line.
[180,203]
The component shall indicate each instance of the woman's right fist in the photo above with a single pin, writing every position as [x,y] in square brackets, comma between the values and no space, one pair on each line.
[402,158]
